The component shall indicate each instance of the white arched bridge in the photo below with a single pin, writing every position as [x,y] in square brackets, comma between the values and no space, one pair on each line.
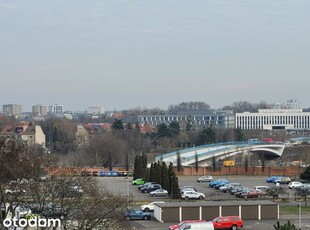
[220,151]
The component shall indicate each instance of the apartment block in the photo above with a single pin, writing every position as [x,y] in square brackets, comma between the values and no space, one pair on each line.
[12,109]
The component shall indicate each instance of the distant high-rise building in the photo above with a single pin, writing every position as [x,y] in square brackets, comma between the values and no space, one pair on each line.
[95,110]
[12,109]
[56,109]
[39,110]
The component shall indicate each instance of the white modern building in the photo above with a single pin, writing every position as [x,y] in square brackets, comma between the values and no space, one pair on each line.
[271,119]
[56,109]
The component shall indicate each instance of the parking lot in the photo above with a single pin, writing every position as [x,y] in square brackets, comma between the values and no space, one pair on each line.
[123,186]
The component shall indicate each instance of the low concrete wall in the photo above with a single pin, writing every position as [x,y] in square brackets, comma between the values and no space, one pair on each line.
[251,171]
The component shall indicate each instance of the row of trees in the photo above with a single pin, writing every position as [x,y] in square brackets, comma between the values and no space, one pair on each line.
[159,173]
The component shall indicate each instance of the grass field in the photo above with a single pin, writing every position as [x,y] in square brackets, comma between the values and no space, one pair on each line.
[289,209]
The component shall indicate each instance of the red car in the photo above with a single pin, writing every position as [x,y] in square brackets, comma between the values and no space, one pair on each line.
[179,225]
[251,194]
[227,222]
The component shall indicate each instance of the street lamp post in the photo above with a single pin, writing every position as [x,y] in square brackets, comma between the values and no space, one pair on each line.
[299,215]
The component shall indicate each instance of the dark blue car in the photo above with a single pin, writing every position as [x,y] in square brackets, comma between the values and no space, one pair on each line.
[215,182]
[134,214]
[272,179]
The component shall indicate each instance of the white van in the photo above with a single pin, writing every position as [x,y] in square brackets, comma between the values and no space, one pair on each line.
[198,226]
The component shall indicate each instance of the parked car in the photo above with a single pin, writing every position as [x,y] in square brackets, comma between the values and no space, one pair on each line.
[283,180]
[187,189]
[272,179]
[145,185]
[227,222]
[138,181]
[188,186]
[179,225]
[226,187]
[261,188]
[150,188]
[205,178]
[215,182]
[295,184]
[192,195]
[251,194]
[220,184]
[229,188]
[198,226]
[159,192]
[134,214]
[238,191]
[150,206]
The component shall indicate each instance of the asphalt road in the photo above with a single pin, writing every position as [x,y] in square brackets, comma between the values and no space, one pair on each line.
[123,186]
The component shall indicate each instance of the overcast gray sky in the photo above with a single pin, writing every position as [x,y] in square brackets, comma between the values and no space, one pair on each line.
[122,54]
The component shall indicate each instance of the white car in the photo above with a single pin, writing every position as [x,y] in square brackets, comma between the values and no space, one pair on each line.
[261,188]
[187,186]
[295,184]
[150,206]
[187,189]
[192,195]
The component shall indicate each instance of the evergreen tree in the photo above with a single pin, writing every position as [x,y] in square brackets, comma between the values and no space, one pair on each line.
[163,131]
[164,176]
[196,162]
[174,128]
[208,136]
[170,173]
[152,173]
[156,173]
[214,163]
[239,135]
[306,174]
[118,125]
[144,165]
[139,167]
[175,190]
[179,163]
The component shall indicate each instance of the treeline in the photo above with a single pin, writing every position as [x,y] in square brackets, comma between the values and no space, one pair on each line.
[159,173]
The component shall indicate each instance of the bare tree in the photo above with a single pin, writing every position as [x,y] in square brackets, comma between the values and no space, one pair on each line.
[64,193]
[107,150]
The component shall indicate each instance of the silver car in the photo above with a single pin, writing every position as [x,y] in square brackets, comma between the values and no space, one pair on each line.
[205,179]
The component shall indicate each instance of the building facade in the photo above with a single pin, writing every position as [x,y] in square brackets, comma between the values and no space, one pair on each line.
[39,110]
[12,109]
[272,119]
[27,132]
[56,109]
[95,110]
[197,119]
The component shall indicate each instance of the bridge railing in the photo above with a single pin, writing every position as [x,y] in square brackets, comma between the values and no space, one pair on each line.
[196,148]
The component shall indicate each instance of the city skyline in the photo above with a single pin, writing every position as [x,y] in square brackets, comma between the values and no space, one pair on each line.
[39,108]
[128,54]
